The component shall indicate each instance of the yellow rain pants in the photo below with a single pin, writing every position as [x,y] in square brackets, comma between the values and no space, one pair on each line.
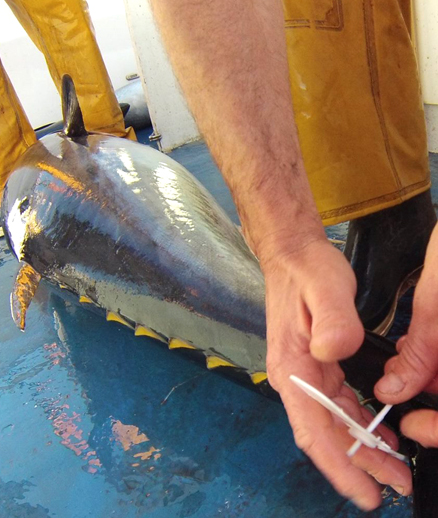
[62,30]
[16,133]
[357,104]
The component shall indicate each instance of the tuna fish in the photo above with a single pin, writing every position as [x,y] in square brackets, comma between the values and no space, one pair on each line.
[132,232]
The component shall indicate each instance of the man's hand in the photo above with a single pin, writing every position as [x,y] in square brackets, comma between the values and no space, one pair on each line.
[313,323]
[415,368]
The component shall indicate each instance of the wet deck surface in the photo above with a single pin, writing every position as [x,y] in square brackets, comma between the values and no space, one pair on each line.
[95,422]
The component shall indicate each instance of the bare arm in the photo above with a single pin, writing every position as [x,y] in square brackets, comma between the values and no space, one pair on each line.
[230,58]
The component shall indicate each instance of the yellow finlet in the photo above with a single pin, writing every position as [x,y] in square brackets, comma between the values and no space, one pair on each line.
[145,331]
[63,287]
[214,361]
[85,300]
[259,377]
[176,343]
[115,317]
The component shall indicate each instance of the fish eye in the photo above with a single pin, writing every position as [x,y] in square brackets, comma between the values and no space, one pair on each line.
[24,205]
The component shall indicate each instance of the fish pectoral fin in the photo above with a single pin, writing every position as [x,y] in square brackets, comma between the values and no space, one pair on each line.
[26,283]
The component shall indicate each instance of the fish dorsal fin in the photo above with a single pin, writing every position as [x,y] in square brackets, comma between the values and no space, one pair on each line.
[25,286]
[71,111]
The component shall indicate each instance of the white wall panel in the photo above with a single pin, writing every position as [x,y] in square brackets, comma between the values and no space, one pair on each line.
[426,31]
[426,15]
[169,113]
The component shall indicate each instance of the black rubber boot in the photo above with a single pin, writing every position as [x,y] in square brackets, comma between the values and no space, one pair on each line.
[386,250]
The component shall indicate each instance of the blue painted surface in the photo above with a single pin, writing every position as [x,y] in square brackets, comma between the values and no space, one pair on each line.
[90,426]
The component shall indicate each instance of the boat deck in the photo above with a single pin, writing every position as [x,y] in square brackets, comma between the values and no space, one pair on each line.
[95,422]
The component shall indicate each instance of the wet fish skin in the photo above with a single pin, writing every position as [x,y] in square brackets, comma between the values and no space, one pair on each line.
[154,247]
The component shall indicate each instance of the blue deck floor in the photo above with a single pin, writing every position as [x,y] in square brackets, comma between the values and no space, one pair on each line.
[97,423]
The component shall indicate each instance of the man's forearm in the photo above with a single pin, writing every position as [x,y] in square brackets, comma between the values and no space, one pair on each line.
[230,58]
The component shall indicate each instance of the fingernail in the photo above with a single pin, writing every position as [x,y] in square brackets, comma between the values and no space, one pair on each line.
[391,384]
[400,490]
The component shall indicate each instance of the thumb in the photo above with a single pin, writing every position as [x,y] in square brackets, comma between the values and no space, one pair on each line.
[417,362]
[421,426]
[336,331]
[411,370]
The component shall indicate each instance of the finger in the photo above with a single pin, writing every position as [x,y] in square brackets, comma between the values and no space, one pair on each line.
[337,331]
[349,402]
[381,466]
[431,387]
[399,344]
[385,469]
[326,441]
[318,439]
[409,372]
[417,362]
[314,432]
[421,426]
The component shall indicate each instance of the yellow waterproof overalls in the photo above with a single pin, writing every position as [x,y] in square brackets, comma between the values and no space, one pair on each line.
[357,104]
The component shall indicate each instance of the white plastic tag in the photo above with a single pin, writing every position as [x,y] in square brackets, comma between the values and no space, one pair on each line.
[361,434]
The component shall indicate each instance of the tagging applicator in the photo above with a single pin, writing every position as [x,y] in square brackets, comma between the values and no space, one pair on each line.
[361,434]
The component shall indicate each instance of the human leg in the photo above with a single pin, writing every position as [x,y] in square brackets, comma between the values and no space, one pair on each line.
[16,133]
[63,31]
